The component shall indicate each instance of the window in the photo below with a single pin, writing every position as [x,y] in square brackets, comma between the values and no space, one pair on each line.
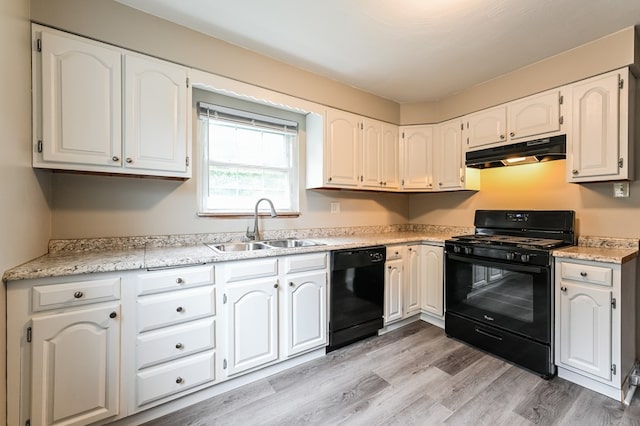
[247,156]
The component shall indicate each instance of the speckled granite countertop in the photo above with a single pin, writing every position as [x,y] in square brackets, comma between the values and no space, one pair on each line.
[600,249]
[87,256]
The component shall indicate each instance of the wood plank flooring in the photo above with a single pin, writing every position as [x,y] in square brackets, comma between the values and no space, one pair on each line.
[412,376]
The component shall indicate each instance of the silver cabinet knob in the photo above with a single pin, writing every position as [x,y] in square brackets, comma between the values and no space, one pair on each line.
[501,136]
[113,314]
[574,171]
[583,274]
[291,284]
[179,281]
[439,183]
[179,345]
[330,179]
[275,286]
[512,134]
[78,294]
[179,380]
[179,309]
[129,160]
[115,158]
[563,289]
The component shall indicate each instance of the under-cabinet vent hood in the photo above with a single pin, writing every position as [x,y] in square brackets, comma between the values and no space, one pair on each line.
[535,151]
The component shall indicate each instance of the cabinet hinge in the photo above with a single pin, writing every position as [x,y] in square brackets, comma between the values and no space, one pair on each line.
[187,161]
[224,364]
[39,146]
[561,100]
[613,303]
[187,82]
[467,140]
[621,162]
[461,126]
[29,332]
[402,135]
[361,126]
[39,45]
[562,119]
[613,369]
[224,298]
[621,84]
[402,182]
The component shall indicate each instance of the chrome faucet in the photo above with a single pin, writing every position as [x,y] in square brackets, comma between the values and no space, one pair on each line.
[255,235]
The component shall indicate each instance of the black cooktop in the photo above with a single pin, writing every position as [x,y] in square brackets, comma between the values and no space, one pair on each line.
[511,241]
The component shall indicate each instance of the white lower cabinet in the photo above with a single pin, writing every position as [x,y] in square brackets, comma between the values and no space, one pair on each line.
[595,324]
[414,283]
[63,351]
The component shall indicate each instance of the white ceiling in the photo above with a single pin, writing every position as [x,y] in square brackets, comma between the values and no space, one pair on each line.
[403,50]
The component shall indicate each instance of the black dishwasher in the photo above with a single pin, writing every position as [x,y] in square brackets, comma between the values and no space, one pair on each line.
[356,295]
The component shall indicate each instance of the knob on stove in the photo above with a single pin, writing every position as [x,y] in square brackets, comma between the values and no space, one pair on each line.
[456,249]
[510,256]
[468,250]
[525,257]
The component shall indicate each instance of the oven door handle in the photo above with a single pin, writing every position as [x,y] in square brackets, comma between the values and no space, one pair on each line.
[494,264]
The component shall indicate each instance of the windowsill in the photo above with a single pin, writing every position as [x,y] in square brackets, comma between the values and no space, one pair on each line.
[246,215]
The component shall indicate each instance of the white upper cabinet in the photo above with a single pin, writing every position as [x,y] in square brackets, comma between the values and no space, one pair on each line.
[601,137]
[156,101]
[449,157]
[417,157]
[534,115]
[371,154]
[390,157]
[97,108]
[487,127]
[79,83]
[342,148]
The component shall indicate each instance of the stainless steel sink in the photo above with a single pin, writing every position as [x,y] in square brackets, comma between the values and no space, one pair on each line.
[292,243]
[234,247]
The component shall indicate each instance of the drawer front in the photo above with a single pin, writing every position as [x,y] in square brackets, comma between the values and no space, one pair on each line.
[175,377]
[305,262]
[176,307]
[394,252]
[75,294]
[599,275]
[174,279]
[250,269]
[174,342]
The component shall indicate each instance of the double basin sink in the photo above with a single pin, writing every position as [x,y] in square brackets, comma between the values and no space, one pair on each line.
[262,245]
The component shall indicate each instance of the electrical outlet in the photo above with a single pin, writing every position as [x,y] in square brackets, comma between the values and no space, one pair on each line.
[621,189]
[335,207]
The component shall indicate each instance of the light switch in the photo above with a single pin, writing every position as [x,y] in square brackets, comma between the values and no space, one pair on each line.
[335,207]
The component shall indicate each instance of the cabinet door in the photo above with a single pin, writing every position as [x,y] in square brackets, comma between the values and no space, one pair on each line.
[343,148]
[252,324]
[433,279]
[534,115]
[393,288]
[585,328]
[371,150]
[156,108]
[81,102]
[306,307]
[75,363]
[449,157]
[595,135]
[417,171]
[390,160]
[413,280]
[486,127]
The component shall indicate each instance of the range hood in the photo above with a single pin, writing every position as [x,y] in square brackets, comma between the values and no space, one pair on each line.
[535,151]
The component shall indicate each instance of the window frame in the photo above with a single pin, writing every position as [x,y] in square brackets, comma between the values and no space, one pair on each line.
[294,171]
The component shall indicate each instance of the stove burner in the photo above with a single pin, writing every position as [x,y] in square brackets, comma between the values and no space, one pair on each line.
[511,240]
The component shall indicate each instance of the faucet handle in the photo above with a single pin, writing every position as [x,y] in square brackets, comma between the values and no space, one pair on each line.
[250,235]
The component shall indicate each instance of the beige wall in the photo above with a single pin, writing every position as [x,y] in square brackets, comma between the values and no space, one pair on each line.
[25,214]
[608,53]
[536,186]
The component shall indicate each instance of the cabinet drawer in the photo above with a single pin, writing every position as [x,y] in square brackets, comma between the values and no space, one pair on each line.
[175,342]
[394,252]
[587,273]
[176,307]
[250,269]
[75,294]
[305,262]
[165,380]
[174,279]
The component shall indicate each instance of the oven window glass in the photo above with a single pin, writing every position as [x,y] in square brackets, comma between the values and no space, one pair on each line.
[512,297]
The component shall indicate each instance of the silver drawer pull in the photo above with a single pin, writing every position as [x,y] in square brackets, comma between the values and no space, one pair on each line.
[78,294]
[179,345]
[179,380]
[179,281]
[583,274]
[179,309]
[563,289]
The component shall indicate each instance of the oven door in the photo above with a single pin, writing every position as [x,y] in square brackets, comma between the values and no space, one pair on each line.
[512,297]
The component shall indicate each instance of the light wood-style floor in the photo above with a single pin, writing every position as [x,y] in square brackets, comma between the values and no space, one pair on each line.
[412,376]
